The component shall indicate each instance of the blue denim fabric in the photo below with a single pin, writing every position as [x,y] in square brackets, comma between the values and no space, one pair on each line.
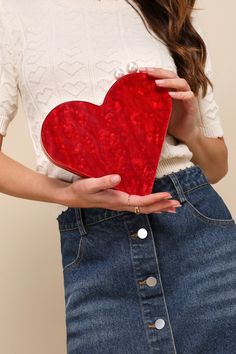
[189,304]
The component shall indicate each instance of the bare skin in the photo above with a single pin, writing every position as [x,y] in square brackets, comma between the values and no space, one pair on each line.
[22,182]
[209,153]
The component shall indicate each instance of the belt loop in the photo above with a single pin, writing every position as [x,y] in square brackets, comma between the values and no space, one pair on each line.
[178,187]
[80,221]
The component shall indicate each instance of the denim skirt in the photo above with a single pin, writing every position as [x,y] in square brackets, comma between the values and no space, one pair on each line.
[152,283]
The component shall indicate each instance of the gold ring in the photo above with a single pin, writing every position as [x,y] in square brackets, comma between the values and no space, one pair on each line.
[136,208]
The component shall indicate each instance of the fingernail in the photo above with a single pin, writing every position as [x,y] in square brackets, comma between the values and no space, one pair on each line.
[147,69]
[158,212]
[115,178]
[159,82]
[171,211]
[168,197]
[142,68]
[176,205]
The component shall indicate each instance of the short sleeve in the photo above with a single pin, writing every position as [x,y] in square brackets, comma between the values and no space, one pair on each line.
[8,79]
[210,121]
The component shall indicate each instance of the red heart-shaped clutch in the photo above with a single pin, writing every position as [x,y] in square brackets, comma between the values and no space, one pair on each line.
[124,135]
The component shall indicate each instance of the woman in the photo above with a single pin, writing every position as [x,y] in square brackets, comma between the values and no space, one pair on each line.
[139,277]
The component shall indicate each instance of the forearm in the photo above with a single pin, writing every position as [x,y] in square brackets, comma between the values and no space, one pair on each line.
[210,154]
[22,182]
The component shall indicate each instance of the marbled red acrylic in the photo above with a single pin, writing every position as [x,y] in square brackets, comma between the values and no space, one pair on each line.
[124,135]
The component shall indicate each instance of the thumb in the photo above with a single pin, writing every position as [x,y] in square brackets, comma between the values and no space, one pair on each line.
[105,182]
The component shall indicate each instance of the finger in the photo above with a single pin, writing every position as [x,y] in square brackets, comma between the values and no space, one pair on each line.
[159,72]
[175,83]
[125,200]
[146,200]
[118,200]
[186,95]
[169,210]
[157,207]
[96,184]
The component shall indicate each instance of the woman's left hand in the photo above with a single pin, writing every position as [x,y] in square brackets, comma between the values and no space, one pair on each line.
[185,116]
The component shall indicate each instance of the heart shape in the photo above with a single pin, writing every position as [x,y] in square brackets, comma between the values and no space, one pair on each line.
[124,135]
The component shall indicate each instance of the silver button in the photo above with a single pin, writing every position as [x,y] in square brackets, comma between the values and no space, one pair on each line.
[160,323]
[142,233]
[151,281]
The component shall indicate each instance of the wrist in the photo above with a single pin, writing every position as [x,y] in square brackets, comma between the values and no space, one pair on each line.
[193,138]
[60,195]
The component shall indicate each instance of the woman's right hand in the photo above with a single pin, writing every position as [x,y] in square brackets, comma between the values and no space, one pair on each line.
[98,193]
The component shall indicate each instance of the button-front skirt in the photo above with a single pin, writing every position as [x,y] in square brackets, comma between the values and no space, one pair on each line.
[152,283]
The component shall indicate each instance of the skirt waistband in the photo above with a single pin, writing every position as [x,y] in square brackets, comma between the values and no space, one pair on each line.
[182,181]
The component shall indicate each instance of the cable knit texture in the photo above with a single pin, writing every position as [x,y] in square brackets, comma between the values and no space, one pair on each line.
[53,51]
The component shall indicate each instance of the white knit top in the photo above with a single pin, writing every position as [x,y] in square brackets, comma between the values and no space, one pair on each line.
[52,51]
